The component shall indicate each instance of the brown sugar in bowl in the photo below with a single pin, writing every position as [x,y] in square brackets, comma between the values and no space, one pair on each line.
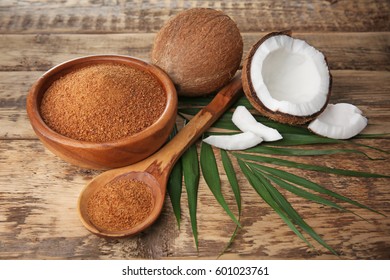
[107,154]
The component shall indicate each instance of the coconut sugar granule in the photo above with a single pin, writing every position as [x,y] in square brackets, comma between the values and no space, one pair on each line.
[103,102]
[119,205]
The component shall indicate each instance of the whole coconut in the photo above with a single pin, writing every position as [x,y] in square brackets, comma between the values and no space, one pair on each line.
[200,49]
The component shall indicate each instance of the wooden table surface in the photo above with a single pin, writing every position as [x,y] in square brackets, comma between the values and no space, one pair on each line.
[38,191]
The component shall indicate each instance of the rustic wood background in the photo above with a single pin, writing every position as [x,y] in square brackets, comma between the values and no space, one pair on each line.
[38,191]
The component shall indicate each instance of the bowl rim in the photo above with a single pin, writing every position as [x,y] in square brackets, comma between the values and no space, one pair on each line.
[33,109]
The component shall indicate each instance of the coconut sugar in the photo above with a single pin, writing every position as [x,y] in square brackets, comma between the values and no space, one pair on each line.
[103,102]
[120,205]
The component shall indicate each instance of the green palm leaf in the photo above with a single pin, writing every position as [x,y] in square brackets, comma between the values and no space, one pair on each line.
[231,175]
[309,185]
[294,139]
[371,147]
[174,186]
[373,136]
[191,180]
[304,166]
[291,212]
[266,196]
[264,179]
[307,195]
[263,149]
[211,175]
[298,191]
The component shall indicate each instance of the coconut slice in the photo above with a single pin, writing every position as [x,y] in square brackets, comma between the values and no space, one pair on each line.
[286,79]
[339,121]
[245,121]
[241,141]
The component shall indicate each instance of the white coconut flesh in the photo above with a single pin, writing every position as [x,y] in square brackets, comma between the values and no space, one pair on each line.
[245,121]
[290,76]
[339,121]
[240,141]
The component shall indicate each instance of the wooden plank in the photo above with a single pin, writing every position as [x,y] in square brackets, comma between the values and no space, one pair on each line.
[38,195]
[38,191]
[359,51]
[42,51]
[367,89]
[71,16]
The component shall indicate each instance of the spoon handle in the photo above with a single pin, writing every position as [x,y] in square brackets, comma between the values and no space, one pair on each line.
[172,151]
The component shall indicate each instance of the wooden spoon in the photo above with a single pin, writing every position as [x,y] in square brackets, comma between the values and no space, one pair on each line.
[155,170]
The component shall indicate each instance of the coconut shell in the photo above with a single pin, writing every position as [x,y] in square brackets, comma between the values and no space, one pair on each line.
[200,49]
[255,101]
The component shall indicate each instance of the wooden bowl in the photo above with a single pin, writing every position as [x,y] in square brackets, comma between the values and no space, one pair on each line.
[104,155]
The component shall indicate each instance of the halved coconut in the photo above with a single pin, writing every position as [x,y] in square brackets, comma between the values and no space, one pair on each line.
[240,141]
[286,79]
[339,121]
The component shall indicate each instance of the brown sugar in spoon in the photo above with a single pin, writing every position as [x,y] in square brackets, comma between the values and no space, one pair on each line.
[154,171]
